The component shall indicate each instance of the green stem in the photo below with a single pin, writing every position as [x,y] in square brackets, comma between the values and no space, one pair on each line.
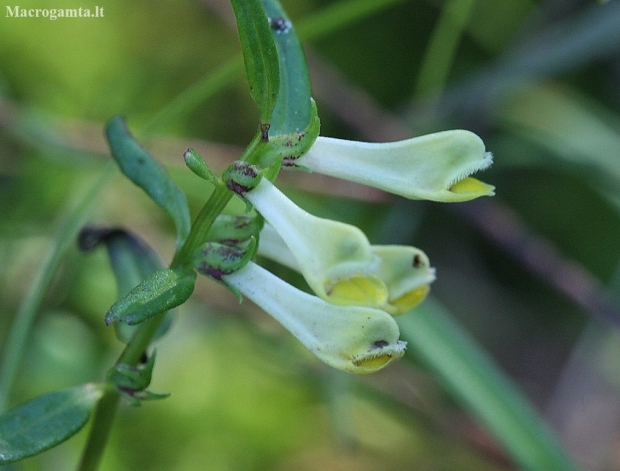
[106,408]
[103,417]
[198,235]
[213,208]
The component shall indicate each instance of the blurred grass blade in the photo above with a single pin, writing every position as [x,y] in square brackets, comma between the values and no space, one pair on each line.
[293,109]
[337,15]
[588,36]
[443,44]
[195,95]
[46,421]
[259,55]
[63,238]
[474,379]
[561,121]
[142,169]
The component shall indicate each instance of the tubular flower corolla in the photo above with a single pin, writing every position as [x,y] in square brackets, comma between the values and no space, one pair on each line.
[405,271]
[356,339]
[433,167]
[335,258]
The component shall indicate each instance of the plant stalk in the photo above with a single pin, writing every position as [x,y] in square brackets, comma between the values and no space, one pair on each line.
[104,414]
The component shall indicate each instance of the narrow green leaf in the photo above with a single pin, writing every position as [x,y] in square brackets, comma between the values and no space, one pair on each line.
[293,108]
[568,125]
[46,421]
[467,372]
[132,262]
[259,55]
[321,23]
[142,169]
[163,290]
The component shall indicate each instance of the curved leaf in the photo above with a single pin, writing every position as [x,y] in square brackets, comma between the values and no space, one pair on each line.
[259,55]
[132,262]
[163,290]
[293,108]
[142,169]
[46,421]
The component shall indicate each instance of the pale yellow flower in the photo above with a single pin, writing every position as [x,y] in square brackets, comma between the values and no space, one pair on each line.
[335,258]
[434,167]
[405,271]
[356,339]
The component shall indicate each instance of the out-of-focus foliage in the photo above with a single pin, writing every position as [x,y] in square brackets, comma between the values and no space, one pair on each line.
[533,274]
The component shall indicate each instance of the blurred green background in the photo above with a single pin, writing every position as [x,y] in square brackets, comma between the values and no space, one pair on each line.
[532,274]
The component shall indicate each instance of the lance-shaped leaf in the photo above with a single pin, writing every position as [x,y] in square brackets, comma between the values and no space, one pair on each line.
[355,339]
[434,167]
[142,169]
[293,111]
[46,421]
[163,290]
[259,55]
[132,262]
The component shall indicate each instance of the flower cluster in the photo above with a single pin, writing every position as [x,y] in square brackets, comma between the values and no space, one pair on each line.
[358,288]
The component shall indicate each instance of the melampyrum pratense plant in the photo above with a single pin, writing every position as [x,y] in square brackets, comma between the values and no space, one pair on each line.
[348,322]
